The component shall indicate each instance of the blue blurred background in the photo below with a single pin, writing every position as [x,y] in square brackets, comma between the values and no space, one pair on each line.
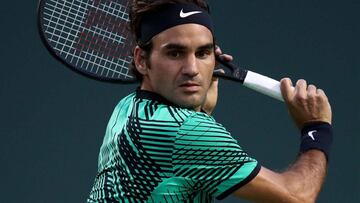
[52,120]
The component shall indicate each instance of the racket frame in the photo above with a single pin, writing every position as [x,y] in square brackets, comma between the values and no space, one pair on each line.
[46,42]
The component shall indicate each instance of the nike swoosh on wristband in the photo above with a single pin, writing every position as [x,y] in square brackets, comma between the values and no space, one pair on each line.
[187,14]
[311,134]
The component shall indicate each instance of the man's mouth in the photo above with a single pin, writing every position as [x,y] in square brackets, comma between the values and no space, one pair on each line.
[190,87]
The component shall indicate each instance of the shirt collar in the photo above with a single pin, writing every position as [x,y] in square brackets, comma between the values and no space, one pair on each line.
[144,94]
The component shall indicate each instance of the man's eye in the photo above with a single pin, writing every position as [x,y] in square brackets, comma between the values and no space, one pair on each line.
[203,54]
[174,54]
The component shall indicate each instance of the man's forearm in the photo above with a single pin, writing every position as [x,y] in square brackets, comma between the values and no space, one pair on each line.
[306,176]
[300,183]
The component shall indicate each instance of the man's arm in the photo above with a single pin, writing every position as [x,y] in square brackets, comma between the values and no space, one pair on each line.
[303,180]
[301,183]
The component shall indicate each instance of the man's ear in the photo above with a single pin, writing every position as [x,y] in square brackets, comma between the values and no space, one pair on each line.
[140,61]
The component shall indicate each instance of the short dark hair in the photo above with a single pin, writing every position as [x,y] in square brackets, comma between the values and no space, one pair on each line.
[139,9]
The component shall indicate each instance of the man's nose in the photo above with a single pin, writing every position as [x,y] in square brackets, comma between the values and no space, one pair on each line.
[190,66]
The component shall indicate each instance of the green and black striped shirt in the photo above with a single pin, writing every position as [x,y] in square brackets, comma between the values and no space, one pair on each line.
[154,151]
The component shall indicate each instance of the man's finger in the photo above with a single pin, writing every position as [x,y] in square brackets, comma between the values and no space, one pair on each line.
[226,57]
[287,89]
[219,53]
[218,50]
[311,90]
[217,71]
[301,88]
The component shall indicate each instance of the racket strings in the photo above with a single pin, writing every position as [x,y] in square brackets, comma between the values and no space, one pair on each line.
[90,35]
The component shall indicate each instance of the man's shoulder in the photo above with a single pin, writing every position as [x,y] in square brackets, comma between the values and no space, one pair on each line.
[125,100]
[200,117]
[202,121]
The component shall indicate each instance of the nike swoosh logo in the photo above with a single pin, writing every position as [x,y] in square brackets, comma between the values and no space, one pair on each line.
[311,134]
[187,14]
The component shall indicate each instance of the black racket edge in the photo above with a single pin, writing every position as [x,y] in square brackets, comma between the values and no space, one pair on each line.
[235,74]
[46,43]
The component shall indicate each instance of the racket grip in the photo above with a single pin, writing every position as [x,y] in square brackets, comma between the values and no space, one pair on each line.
[263,84]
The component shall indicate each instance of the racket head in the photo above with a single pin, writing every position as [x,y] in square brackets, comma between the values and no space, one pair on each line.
[92,37]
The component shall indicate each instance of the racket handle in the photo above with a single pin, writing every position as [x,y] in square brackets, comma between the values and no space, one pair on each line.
[263,84]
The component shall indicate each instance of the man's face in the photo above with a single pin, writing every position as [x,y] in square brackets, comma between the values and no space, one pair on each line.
[181,65]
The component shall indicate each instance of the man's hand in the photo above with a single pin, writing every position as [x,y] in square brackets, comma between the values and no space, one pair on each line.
[302,181]
[212,94]
[306,103]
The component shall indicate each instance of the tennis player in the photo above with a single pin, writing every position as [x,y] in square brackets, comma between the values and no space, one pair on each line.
[163,145]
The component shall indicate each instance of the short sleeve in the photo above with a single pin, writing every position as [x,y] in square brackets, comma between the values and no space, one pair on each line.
[206,155]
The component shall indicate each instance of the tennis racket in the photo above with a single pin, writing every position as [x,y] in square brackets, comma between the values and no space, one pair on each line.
[92,37]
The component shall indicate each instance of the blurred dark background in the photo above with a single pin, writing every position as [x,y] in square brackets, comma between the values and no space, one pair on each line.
[53,120]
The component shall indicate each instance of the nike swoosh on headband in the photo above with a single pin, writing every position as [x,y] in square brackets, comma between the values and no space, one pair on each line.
[187,14]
